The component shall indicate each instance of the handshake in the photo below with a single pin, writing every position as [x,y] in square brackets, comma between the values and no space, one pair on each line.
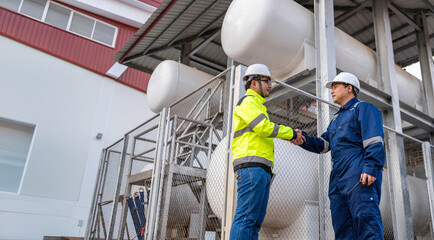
[300,138]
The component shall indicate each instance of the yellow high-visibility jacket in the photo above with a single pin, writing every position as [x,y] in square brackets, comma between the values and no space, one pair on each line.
[253,144]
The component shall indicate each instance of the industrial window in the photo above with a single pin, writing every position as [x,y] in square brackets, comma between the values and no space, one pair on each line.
[15,140]
[64,18]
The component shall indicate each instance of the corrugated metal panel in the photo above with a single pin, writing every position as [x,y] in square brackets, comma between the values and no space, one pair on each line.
[175,21]
[78,50]
[178,20]
[412,4]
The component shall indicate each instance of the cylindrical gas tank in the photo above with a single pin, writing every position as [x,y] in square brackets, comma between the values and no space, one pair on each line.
[171,81]
[183,203]
[418,203]
[295,183]
[276,33]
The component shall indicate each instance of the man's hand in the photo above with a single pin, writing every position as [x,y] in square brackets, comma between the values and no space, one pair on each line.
[367,179]
[300,138]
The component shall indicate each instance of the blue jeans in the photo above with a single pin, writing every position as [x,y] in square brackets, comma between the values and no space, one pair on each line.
[253,192]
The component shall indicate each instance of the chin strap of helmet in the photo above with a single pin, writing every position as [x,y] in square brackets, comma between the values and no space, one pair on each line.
[258,78]
[260,87]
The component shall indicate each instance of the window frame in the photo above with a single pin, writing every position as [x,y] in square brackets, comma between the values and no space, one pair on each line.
[32,141]
[44,16]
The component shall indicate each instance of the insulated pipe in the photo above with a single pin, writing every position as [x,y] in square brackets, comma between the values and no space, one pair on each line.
[280,34]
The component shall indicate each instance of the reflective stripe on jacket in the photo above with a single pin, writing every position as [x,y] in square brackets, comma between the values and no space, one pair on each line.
[254,133]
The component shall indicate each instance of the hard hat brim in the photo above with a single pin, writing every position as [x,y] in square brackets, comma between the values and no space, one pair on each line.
[265,75]
[330,85]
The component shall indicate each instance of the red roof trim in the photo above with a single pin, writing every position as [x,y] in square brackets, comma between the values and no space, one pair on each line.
[154,3]
[78,50]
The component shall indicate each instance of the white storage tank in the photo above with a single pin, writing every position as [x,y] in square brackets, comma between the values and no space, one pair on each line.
[296,187]
[280,34]
[171,81]
[295,183]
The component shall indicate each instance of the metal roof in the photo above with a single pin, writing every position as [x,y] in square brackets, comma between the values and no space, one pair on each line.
[199,22]
[176,22]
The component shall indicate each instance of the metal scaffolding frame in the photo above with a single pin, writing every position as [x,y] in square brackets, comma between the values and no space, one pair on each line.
[162,177]
[169,164]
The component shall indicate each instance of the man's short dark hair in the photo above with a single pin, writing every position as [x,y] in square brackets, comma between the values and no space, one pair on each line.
[353,89]
[250,80]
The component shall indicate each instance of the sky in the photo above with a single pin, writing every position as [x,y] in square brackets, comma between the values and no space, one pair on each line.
[414,69]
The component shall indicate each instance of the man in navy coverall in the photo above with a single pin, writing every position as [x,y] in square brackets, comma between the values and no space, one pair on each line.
[355,138]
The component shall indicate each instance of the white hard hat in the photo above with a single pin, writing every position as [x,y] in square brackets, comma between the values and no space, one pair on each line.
[347,78]
[257,69]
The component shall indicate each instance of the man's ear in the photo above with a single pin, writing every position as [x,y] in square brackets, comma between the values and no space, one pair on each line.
[254,83]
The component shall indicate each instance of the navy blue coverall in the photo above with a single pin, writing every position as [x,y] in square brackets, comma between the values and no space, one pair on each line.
[355,138]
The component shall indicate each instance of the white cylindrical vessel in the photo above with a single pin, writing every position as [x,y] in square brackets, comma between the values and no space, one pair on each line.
[171,81]
[277,33]
[296,187]
[419,204]
[295,183]
[183,203]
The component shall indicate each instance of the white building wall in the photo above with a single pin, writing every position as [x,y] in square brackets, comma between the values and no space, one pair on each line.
[69,106]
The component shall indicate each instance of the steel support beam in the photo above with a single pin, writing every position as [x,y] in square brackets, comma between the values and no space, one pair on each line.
[167,184]
[236,90]
[344,16]
[124,211]
[403,16]
[185,53]
[194,21]
[205,42]
[157,175]
[426,63]
[96,195]
[325,72]
[395,156]
[399,28]
[118,188]
[429,173]
[429,5]
[409,45]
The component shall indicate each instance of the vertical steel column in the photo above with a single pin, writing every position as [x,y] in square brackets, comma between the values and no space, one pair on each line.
[229,196]
[156,177]
[104,178]
[427,160]
[118,188]
[426,63]
[127,191]
[92,213]
[202,211]
[167,183]
[163,176]
[203,201]
[184,58]
[325,72]
[399,194]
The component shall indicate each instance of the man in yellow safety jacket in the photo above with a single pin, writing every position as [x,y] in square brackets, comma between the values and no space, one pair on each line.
[253,152]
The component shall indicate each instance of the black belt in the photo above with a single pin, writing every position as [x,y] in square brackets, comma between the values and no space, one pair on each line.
[253,164]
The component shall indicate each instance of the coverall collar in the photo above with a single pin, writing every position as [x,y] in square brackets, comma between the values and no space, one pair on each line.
[348,104]
[251,92]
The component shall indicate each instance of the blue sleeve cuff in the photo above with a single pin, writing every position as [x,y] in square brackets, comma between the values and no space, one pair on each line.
[294,134]
[370,171]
